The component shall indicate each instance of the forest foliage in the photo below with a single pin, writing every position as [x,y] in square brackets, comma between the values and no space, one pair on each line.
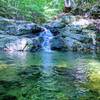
[29,9]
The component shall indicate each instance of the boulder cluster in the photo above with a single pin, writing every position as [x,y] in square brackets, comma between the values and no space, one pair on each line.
[70,32]
[18,35]
[75,33]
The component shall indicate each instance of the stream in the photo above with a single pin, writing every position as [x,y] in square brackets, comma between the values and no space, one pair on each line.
[49,76]
[60,62]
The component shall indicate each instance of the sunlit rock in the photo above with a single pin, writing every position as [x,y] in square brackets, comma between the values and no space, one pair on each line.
[82,22]
[16,43]
[20,44]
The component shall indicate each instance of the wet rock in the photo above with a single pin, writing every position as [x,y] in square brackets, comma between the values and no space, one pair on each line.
[73,44]
[53,30]
[36,44]
[18,35]
[95,11]
[57,43]
[2,32]
[79,37]
[57,23]
[36,29]
[15,27]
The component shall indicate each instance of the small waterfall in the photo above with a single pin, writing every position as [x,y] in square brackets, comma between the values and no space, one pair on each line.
[94,39]
[47,36]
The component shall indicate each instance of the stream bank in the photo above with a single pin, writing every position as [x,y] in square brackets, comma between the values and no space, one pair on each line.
[67,32]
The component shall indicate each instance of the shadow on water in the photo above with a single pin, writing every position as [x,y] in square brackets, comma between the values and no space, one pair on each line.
[49,76]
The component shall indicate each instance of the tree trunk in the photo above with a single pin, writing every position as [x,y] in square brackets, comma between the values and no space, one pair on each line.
[67,6]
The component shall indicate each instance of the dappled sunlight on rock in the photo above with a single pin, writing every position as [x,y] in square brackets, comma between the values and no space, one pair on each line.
[82,22]
[17,45]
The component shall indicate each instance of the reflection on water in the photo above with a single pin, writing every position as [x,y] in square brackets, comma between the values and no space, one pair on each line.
[49,76]
[47,62]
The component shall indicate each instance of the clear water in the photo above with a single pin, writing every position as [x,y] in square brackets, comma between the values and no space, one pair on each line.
[49,76]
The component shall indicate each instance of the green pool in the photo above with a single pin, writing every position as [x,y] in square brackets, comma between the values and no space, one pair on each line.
[49,76]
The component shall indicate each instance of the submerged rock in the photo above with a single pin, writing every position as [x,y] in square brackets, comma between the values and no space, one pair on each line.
[65,72]
[30,72]
[7,83]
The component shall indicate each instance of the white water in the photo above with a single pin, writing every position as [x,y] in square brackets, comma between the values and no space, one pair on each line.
[47,36]
[93,38]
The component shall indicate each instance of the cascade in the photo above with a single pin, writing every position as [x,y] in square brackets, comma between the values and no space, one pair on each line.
[94,39]
[47,36]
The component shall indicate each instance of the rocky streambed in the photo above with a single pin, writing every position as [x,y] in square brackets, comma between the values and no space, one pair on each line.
[69,32]
[74,33]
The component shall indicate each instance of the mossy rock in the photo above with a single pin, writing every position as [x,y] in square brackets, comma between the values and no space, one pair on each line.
[38,18]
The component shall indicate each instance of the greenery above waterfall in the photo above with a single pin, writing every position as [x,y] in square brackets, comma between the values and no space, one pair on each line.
[27,9]
[37,10]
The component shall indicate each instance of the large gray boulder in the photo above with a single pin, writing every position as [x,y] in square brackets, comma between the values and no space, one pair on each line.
[16,43]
